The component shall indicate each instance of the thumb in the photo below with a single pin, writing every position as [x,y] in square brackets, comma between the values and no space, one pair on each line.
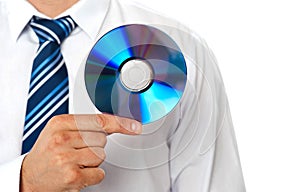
[114,124]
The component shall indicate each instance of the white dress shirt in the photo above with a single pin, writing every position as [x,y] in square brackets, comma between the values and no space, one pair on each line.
[192,149]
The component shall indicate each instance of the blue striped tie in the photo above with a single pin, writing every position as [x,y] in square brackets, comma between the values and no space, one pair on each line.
[49,88]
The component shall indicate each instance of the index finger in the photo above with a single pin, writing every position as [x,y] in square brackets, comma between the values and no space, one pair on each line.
[102,122]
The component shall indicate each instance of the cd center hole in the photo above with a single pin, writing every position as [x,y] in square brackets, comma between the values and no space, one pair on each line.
[136,75]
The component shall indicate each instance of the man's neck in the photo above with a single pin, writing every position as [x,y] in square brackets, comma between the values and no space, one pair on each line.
[52,8]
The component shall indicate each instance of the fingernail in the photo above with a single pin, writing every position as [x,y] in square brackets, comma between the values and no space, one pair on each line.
[136,127]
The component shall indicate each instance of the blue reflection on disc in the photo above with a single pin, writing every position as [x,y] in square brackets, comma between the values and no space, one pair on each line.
[157,101]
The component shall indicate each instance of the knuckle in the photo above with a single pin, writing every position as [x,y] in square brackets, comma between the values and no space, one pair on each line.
[55,120]
[121,121]
[102,120]
[72,176]
[58,120]
[61,159]
[111,123]
[60,138]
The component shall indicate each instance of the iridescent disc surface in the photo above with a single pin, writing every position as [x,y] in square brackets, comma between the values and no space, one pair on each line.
[136,71]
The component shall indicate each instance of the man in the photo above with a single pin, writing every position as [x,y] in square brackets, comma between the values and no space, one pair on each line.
[192,149]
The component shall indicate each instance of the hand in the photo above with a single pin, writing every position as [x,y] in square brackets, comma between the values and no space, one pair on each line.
[69,150]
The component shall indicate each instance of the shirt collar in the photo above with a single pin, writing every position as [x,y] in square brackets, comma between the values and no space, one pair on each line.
[88,14]
[19,14]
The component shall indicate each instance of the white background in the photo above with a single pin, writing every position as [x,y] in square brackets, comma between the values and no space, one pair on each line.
[257,44]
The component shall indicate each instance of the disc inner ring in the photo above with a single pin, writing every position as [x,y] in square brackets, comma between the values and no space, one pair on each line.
[136,75]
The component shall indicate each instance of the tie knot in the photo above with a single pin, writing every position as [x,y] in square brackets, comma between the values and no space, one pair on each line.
[52,30]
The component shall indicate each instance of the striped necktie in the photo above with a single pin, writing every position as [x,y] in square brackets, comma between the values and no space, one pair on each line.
[49,87]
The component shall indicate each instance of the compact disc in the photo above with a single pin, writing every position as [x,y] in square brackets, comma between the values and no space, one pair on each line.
[136,71]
